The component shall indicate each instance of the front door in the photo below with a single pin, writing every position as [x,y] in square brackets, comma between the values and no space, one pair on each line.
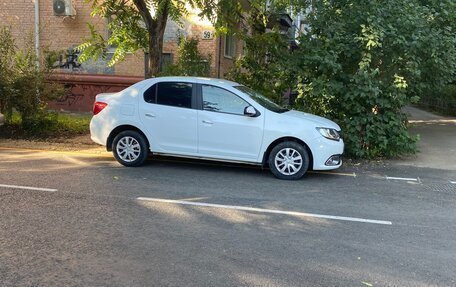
[223,129]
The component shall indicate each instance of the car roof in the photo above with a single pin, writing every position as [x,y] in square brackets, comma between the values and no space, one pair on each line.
[199,80]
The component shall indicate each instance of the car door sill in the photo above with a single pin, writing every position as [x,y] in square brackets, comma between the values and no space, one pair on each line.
[205,158]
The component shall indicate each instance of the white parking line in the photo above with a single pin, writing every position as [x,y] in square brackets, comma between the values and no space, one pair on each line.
[453,182]
[262,210]
[28,187]
[402,178]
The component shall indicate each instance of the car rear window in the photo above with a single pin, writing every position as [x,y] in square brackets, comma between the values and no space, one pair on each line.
[174,94]
[150,95]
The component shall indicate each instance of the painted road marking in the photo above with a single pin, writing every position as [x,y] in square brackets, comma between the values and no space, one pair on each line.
[453,182]
[402,178]
[263,210]
[28,187]
[333,173]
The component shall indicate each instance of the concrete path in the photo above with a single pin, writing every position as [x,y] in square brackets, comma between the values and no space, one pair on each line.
[437,143]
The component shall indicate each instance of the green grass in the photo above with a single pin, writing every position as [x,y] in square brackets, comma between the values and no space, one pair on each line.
[51,126]
[73,124]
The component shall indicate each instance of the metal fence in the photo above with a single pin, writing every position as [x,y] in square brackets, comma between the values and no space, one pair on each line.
[442,106]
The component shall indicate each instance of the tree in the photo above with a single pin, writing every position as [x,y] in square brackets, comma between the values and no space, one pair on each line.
[23,87]
[358,63]
[267,52]
[140,24]
[266,66]
[361,62]
[190,61]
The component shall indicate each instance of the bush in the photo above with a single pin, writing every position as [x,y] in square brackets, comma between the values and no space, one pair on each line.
[51,124]
[266,65]
[362,61]
[23,87]
[190,61]
[359,63]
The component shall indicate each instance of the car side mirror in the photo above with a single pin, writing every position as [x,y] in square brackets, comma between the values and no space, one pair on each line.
[251,112]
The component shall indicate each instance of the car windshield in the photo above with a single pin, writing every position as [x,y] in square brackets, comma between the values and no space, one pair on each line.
[262,100]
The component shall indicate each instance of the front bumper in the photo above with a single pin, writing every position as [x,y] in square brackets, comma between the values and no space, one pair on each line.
[324,151]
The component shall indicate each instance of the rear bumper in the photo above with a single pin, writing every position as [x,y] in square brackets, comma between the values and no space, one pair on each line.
[98,132]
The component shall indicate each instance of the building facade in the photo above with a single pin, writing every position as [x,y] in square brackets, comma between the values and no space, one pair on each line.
[61,25]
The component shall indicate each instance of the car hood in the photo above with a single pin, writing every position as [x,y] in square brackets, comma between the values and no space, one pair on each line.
[317,120]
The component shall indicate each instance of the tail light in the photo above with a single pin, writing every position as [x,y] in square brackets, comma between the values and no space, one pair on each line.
[98,107]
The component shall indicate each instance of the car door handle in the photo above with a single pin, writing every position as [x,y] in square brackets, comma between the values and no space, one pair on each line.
[207,122]
[150,115]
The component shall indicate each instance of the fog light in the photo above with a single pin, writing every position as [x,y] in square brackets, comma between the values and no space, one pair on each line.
[333,160]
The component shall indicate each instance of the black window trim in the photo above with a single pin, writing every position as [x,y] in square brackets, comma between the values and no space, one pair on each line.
[155,94]
[200,101]
[194,100]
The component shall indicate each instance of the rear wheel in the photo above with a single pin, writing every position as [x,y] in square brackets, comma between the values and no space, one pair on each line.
[130,148]
[288,160]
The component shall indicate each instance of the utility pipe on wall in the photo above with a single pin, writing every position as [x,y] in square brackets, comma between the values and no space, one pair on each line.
[37,32]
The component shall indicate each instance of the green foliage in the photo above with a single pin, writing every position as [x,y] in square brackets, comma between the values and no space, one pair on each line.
[7,53]
[127,33]
[132,27]
[190,61]
[23,87]
[73,124]
[265,66]
[139,24]
[233,16]
[52,124]
[359,63]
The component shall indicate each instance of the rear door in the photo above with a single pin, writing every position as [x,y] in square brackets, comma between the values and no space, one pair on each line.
[223,129]
[168,112]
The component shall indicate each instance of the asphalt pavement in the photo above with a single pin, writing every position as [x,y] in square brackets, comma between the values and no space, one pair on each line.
[73,219]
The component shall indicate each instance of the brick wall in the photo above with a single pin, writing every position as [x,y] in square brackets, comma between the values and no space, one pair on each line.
[226,63]
[62,33]
[20,16]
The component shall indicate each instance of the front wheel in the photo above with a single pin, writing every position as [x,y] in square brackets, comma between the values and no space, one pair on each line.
[288,160]
[130,148]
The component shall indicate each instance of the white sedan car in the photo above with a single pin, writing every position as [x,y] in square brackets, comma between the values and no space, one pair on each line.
[213,119]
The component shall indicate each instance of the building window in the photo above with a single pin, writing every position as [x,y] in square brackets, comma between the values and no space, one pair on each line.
[111,48]
[167,59]
[230,46]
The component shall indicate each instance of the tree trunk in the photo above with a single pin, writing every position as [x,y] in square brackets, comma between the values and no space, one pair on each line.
[156,29]
[156,33]
[155,55]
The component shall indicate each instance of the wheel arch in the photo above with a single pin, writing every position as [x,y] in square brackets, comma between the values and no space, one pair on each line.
[120,129]
[284,139]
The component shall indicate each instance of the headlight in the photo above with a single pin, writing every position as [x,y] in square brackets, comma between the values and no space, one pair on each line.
[328,133]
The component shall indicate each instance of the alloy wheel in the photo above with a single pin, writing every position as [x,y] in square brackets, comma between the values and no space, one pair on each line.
[128,149]
[288,161]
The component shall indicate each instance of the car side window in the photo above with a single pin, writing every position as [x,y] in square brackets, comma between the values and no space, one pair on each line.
[216,99]
[150,95]
[174,94]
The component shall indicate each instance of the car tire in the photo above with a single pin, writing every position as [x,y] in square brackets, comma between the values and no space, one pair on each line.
[288,160]
[130,148]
